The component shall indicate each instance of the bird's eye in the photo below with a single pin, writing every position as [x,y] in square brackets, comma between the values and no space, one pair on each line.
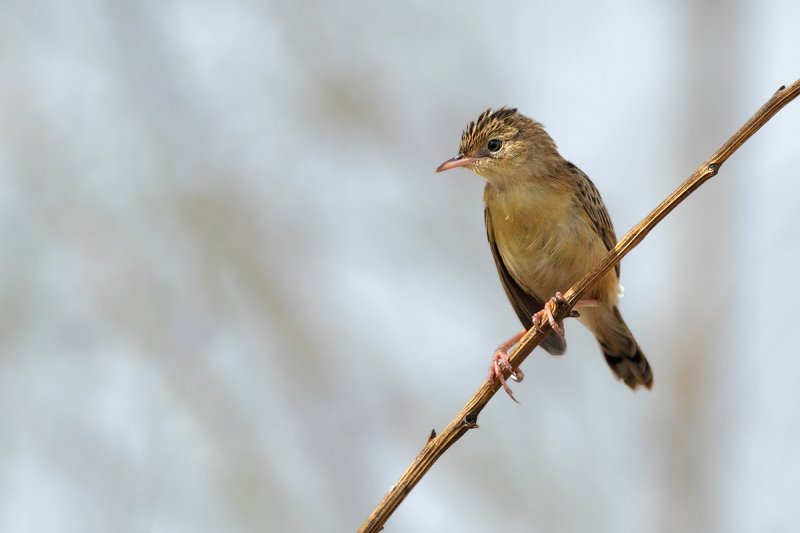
[494,145]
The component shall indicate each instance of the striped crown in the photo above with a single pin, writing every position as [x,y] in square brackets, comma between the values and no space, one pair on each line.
[489,123]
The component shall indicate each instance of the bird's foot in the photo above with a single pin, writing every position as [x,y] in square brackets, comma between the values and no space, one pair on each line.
[500,363]
[548,313]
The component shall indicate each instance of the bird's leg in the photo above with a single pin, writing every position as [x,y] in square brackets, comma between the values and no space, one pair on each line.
[547,312]
[550,308]
[500,363]
[500,358]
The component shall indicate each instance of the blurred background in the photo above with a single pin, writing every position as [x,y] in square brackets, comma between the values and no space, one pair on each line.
[235,296]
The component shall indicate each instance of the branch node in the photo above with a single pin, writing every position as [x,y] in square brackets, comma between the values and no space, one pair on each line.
[471,421]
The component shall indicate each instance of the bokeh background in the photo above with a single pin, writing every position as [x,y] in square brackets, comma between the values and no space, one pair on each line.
[235,296]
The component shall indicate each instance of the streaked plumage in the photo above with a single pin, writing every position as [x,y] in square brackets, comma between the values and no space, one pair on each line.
[547,226]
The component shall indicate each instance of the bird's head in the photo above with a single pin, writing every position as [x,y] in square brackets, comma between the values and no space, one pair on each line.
[502,146]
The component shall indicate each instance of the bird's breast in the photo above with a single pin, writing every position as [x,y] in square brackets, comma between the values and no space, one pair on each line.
[547,241]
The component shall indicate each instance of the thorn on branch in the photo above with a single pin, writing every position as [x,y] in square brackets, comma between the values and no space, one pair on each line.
[471,420]
[432,435]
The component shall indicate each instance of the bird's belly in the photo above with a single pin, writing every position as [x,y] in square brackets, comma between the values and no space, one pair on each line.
[551,255]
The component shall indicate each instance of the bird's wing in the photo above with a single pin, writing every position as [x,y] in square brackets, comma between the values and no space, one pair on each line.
[592,202]
[524,303]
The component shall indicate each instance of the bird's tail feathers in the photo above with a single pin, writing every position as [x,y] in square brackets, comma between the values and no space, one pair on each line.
[622,352]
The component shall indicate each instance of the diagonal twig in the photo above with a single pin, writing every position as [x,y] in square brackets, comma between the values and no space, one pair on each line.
[467,417]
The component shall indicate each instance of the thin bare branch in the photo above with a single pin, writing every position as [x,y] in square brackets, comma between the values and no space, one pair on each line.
[467,417]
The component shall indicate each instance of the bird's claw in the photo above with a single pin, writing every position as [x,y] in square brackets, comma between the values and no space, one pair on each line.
[499,365]
[548,312]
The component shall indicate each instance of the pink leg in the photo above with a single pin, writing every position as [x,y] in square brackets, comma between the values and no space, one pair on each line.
[583,303]
[500,357]
[500,363]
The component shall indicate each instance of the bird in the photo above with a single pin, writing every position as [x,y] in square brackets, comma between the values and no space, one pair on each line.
[547,226]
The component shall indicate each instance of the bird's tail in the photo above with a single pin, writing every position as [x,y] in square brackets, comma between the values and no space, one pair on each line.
[620,349]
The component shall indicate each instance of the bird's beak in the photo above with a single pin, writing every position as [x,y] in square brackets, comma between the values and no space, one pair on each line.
[458,161]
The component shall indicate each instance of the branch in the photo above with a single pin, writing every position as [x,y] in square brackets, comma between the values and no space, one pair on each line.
[467,418]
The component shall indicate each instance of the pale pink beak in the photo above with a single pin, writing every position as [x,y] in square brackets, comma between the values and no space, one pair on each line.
[458,161]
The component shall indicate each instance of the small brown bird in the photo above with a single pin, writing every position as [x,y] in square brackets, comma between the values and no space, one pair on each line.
[547,227]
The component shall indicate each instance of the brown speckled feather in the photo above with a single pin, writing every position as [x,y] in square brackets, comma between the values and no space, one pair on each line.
[524,303]
[592,203]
